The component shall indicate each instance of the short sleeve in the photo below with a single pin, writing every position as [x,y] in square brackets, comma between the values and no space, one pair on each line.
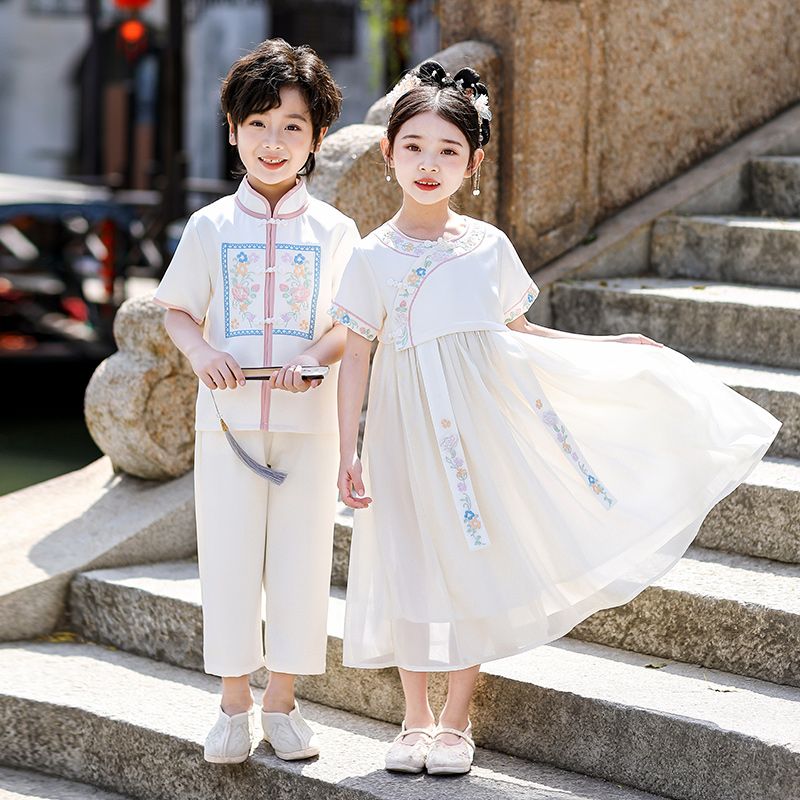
[358,303]
[517,289]
[186,285]
[342,254]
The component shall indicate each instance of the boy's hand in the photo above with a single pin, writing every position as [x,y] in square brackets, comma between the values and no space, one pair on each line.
[215,368]
[351,485]
[289,379]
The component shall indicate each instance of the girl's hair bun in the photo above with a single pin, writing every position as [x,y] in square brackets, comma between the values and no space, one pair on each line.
[467,81]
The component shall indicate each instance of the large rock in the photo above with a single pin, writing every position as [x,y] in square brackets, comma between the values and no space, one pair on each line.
[139,403]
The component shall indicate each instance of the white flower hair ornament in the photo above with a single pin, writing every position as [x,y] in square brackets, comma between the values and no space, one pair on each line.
[408,82]
[466,80]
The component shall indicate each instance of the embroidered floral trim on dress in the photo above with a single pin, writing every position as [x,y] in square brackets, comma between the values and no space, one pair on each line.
[433,255]
[525,302]
[450,446]
[350,320]
[571,451]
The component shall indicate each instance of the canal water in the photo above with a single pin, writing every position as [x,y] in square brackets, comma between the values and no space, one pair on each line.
[42,431]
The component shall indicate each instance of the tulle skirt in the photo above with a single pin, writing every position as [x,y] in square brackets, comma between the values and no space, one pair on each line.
[589,465]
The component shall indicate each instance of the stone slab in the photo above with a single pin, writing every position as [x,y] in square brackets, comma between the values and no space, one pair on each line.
[137,726]
[732,249]
[21,784]
[722,321]
[776,185]
[83,520]
[777,390]
[729,612]
[761,517]
[676,729]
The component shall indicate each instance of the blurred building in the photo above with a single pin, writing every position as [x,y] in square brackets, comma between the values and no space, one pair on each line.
[71,110]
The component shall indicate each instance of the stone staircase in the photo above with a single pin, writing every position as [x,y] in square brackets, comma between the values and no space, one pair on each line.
[691,691]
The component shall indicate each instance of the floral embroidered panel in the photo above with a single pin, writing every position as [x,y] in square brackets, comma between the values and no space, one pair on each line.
[297,268]
[243,274]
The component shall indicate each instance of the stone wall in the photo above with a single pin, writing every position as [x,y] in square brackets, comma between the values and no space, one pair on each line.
[604,101]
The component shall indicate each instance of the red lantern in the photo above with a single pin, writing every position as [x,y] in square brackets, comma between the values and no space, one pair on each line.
[131,5]
[132,38]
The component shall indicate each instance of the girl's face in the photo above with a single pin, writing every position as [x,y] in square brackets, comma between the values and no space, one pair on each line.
[430,157]
[274,145]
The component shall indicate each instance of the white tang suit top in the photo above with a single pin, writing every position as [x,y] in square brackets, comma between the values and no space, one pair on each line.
[259,280]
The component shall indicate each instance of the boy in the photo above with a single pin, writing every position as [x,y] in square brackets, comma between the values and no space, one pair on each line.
[245,289]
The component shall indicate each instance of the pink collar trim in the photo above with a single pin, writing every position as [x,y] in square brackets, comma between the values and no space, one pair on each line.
[292,204]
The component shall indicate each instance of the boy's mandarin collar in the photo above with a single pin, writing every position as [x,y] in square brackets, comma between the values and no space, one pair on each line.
[292,204]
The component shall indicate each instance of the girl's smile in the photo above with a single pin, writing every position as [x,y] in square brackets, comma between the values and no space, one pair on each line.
[430,157]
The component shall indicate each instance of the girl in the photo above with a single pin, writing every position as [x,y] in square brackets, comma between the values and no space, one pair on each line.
[523,478]
[244,289]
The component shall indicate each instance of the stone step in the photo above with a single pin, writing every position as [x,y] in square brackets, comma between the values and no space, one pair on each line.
[775,182]
[752,250]
[721,321]
[137,726]
[711,609]
[777,390]
[707,610]
[761,517]
[21,784]
[680,730]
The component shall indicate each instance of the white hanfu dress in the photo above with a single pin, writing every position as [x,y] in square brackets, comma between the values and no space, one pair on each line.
[519,483]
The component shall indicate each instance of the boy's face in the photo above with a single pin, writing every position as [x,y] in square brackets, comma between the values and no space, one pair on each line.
[274,145]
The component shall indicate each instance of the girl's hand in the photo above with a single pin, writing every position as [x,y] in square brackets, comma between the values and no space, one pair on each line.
[289,378]
[633,338]
[351,485]
[215,368]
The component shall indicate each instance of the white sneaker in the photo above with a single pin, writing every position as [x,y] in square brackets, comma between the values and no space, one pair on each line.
[289,734]
[231,738]
[451,759]
[409,756]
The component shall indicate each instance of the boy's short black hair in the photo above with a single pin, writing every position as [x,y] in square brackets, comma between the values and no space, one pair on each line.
[253,84]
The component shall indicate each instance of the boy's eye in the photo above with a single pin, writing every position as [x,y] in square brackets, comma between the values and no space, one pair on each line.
[257,123]
[448,152]
[293,127]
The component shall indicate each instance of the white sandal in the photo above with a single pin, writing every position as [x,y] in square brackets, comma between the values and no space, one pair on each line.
[451,759]
[411,757]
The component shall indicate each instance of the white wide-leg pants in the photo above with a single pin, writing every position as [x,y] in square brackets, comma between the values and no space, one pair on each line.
[253,535]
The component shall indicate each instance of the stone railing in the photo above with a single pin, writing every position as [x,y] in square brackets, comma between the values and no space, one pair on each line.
[140,401]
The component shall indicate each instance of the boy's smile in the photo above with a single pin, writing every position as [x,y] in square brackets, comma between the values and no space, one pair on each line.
[274,145]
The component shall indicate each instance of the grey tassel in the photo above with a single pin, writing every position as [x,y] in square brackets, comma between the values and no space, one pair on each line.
[274,475]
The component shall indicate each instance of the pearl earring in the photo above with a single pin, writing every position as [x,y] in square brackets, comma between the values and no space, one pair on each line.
[476,181]
[387,171]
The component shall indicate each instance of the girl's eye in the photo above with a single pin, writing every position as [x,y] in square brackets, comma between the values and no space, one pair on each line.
[412,147]
[257,123]
[448,152]
[293,127]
